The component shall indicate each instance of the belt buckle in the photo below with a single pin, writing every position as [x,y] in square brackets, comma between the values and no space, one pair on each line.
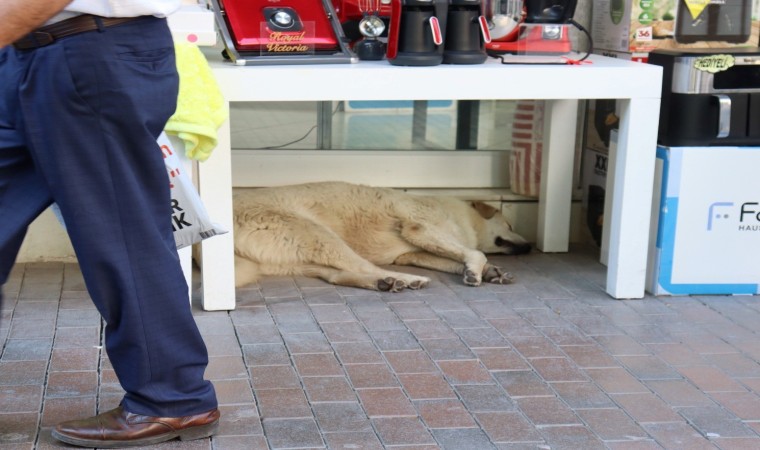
[41,38]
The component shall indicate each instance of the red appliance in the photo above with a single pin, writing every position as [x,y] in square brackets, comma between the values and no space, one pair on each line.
[281,32]
[530,26]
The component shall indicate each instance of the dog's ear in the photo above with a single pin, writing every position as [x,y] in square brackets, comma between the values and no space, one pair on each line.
[486,211]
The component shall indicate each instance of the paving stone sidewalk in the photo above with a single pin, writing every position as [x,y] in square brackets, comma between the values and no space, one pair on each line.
[550,362]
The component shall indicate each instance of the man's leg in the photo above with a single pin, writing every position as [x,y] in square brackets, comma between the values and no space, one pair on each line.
[92,111]
[23,193]
[23,196]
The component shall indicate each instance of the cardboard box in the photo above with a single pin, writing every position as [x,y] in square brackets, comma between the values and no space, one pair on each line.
[601,119]
[194,24]
[640,26]
[705,234]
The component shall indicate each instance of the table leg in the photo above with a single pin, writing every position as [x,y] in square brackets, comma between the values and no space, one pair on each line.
[630,181]
[557,160]
[324,125]
[468,115]
[419,124]
[217,253]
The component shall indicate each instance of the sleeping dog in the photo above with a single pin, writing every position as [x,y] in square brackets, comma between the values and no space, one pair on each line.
[343,232]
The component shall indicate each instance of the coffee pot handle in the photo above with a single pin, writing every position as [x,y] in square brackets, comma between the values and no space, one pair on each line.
[435,28]
[484,29]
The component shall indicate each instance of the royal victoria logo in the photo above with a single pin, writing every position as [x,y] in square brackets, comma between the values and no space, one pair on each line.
[748,214]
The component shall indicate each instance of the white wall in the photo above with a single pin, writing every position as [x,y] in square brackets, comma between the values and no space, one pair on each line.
[46,240]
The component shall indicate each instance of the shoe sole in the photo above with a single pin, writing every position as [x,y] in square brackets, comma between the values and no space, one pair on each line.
[189,434]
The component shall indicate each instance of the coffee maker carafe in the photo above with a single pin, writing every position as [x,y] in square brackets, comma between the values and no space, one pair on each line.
[416,32]
[466,33]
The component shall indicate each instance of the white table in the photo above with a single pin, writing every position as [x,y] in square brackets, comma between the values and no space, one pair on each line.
[631,171]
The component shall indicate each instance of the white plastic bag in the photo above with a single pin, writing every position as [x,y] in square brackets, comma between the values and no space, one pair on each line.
[190,219]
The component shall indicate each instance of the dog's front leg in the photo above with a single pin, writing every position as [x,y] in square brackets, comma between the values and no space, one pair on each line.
[496,275]
[491,274]
[435,241]
[430,261]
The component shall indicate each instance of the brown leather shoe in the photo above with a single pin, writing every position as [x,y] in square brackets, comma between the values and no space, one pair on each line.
[118,428]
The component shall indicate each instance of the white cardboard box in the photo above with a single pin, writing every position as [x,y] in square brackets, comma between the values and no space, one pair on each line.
[705,235]
[193,23]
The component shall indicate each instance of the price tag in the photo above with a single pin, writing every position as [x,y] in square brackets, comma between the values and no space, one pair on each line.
[644,34]
[696,7]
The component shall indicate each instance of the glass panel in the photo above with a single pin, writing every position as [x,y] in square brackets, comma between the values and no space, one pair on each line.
[374,125]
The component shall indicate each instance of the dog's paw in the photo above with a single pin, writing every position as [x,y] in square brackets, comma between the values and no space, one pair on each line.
[419,283]
[471,278]
[390,284]
[497,275]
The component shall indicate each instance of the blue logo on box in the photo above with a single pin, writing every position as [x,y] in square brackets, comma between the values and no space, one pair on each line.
[712,214]
[716,211]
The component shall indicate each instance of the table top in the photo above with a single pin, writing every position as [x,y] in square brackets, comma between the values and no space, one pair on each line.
[602,77]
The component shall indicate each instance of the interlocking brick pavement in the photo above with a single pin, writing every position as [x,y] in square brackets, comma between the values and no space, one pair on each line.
[549,362]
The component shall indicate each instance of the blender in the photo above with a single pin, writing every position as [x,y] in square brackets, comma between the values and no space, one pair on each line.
[530,26]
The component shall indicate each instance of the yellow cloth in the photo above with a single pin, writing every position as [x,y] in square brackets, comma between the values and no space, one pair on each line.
[200,105]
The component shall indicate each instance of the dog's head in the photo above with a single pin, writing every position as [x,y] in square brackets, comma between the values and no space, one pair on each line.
[496,235]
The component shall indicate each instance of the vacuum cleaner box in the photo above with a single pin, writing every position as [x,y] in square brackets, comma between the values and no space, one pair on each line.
[705,235]
[638,27]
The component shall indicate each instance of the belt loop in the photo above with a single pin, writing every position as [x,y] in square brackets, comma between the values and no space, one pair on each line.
[99,23]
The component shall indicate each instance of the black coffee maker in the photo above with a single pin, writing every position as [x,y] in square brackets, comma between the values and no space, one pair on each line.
[466,33]
[416,32]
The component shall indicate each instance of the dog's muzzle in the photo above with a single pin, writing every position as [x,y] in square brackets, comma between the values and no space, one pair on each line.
[511,248]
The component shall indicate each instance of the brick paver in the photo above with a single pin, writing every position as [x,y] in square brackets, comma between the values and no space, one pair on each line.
[548,362]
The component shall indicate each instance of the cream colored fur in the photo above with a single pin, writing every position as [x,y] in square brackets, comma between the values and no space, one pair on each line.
[342,232]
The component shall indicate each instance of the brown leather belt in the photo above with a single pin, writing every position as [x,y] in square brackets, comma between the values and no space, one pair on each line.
[78,24]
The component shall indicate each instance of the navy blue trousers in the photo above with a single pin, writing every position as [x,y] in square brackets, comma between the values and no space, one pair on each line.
[78,126]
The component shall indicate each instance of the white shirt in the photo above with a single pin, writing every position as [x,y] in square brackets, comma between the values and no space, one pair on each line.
[118,8]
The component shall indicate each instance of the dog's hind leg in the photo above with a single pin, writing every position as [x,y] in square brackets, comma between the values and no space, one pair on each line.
[382,281]
[430,261]
[433,241]
[289,244]
[491,273]
[337,263]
